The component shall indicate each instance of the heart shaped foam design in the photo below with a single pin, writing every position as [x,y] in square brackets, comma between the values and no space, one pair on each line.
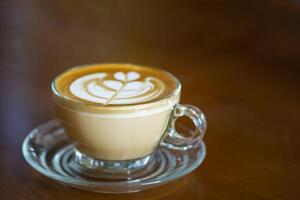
[126,88]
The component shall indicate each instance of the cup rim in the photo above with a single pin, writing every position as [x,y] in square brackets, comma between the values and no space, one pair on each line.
[100,106]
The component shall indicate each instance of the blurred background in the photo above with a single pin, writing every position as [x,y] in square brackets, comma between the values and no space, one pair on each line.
[237,60]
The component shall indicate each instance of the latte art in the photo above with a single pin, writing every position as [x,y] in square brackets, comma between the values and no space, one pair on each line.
[116,88]
[99,87]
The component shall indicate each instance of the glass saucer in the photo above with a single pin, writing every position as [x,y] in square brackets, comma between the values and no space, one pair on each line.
[48,150]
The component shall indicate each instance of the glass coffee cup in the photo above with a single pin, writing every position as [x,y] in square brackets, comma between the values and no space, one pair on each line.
[117,115]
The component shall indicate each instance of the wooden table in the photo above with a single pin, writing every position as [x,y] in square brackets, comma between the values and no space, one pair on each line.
[238,61]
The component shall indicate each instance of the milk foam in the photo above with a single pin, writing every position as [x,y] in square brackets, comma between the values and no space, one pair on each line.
[124,88]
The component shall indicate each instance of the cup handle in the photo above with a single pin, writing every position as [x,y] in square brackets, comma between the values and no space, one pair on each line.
[173,140]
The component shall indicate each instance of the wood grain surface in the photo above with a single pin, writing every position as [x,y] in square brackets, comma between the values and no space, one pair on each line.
[237,60]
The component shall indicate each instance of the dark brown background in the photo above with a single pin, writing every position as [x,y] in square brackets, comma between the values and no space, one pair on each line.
[239,61]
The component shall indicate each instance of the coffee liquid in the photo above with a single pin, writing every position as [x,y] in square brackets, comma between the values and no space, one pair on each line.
[115,84]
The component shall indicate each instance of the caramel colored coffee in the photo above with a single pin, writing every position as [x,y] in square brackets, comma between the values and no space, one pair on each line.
[115,84]
[115,111]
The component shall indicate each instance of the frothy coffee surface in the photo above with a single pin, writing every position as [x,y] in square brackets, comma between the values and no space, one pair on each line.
[115,84]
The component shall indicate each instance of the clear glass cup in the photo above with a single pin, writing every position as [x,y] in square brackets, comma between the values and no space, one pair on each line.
[120,139]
